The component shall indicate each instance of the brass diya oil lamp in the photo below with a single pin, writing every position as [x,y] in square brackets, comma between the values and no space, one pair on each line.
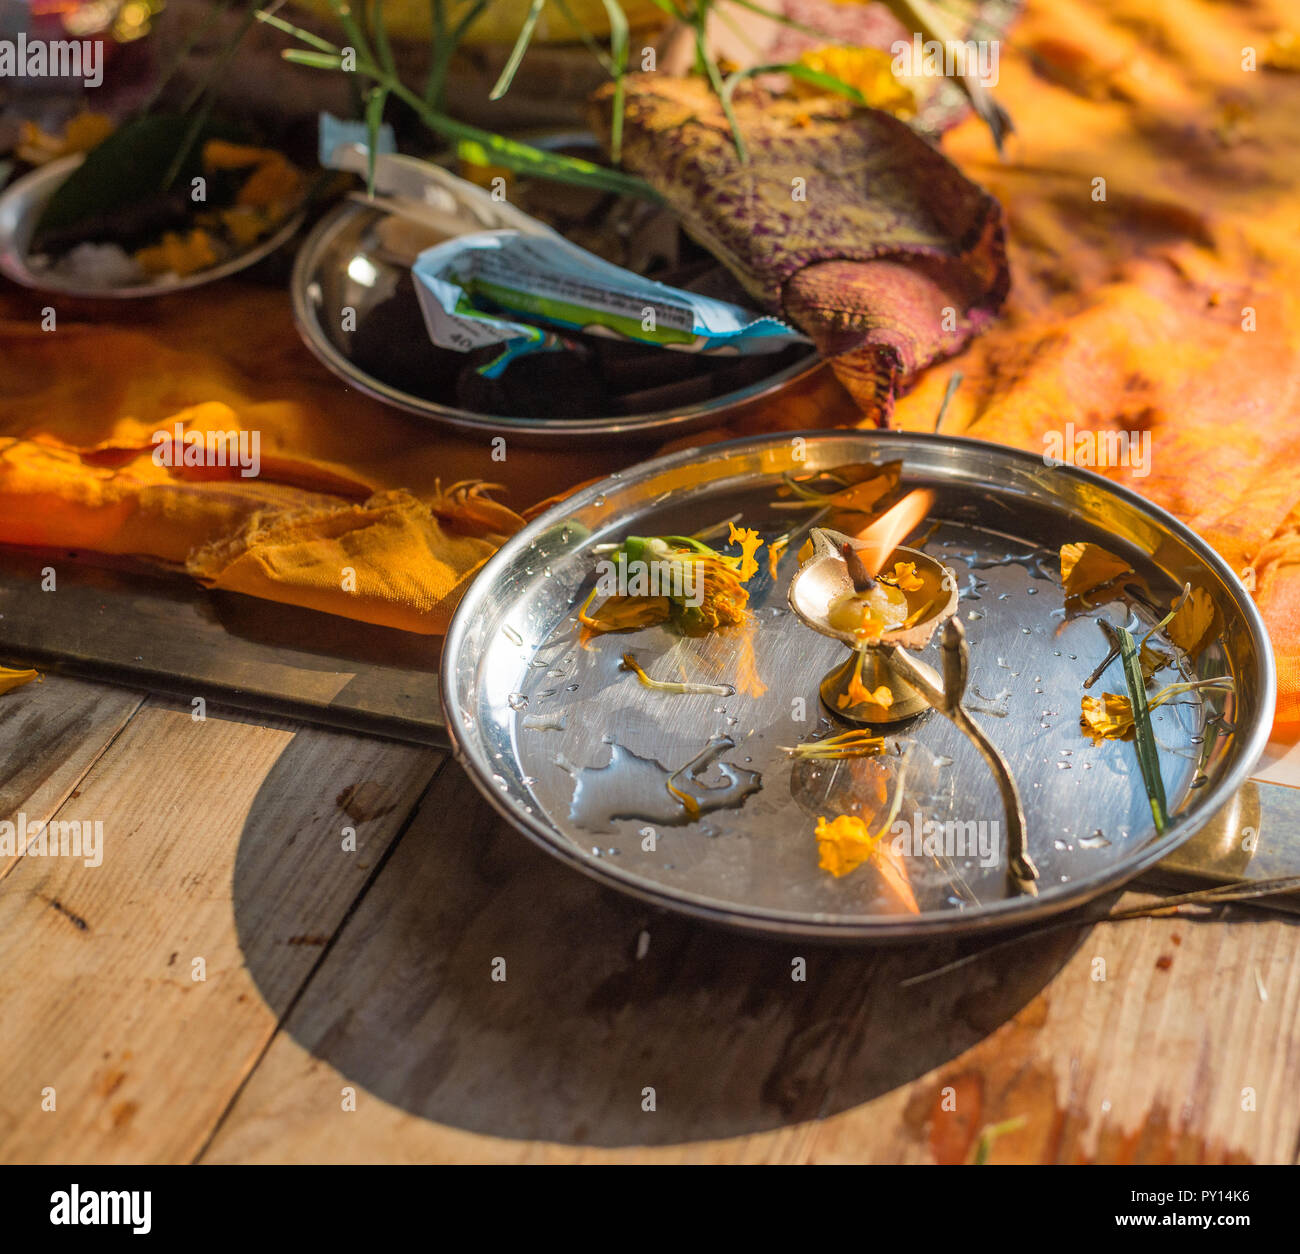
[835,591]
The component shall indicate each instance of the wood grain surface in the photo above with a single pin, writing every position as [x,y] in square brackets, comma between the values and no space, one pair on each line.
[352,1006]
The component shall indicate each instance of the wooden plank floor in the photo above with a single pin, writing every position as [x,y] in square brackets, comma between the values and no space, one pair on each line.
[288,951]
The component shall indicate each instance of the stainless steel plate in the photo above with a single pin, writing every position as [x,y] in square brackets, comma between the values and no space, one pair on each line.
[20,209]
[591,792]
[343,265]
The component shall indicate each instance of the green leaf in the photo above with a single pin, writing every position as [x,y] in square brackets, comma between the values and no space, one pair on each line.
[821,79]
[484,148]
[517,52]
[794,70]
[130,166]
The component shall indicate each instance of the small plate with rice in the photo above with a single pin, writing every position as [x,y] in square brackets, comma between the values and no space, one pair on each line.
[102,270]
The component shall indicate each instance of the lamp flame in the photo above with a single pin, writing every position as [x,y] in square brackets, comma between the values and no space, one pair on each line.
[877,541]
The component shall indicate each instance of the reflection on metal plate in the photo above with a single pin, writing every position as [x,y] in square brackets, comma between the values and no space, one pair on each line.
[585,760]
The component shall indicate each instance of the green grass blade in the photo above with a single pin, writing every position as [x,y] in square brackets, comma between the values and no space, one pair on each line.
[706,63]
[795,70]
[375,101]
[314,60]
[589,41]
[383,48]
[352,28]
[1143,734]
[307,37]
[517,52]
[618,44]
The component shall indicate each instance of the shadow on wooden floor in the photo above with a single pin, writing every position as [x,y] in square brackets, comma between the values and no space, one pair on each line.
[604,999]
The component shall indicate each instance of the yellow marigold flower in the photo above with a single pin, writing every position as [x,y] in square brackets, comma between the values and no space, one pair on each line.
[1190,627]
[1151,660]
[845,844]
[625,613]
[858,693]
[1283,52]
[775,552]
[904,576]
[868,70]
[82,133]
[11,679]
[179,254]
[716,579]
[750,542]
[1085,567]
[1108,717]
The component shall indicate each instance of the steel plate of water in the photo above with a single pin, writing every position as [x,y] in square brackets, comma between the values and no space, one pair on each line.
[578,754]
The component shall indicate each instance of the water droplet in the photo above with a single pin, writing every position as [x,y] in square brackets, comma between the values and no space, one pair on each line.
[1031,592]
[1060,846]
[571,687]
[1062,766]
[598,500]
[517,701]
[1096,841]
[630,786]
[511,634]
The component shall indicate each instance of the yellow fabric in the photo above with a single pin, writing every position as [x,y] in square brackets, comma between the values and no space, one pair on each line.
[345,484]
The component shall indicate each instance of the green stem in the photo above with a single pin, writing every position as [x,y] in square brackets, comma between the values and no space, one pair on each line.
[1143,734]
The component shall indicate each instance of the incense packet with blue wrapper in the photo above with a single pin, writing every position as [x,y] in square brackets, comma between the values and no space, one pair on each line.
[496,287]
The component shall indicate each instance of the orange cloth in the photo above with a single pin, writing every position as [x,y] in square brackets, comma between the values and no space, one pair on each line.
[1128,314]
[1124,314]
[352,511]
